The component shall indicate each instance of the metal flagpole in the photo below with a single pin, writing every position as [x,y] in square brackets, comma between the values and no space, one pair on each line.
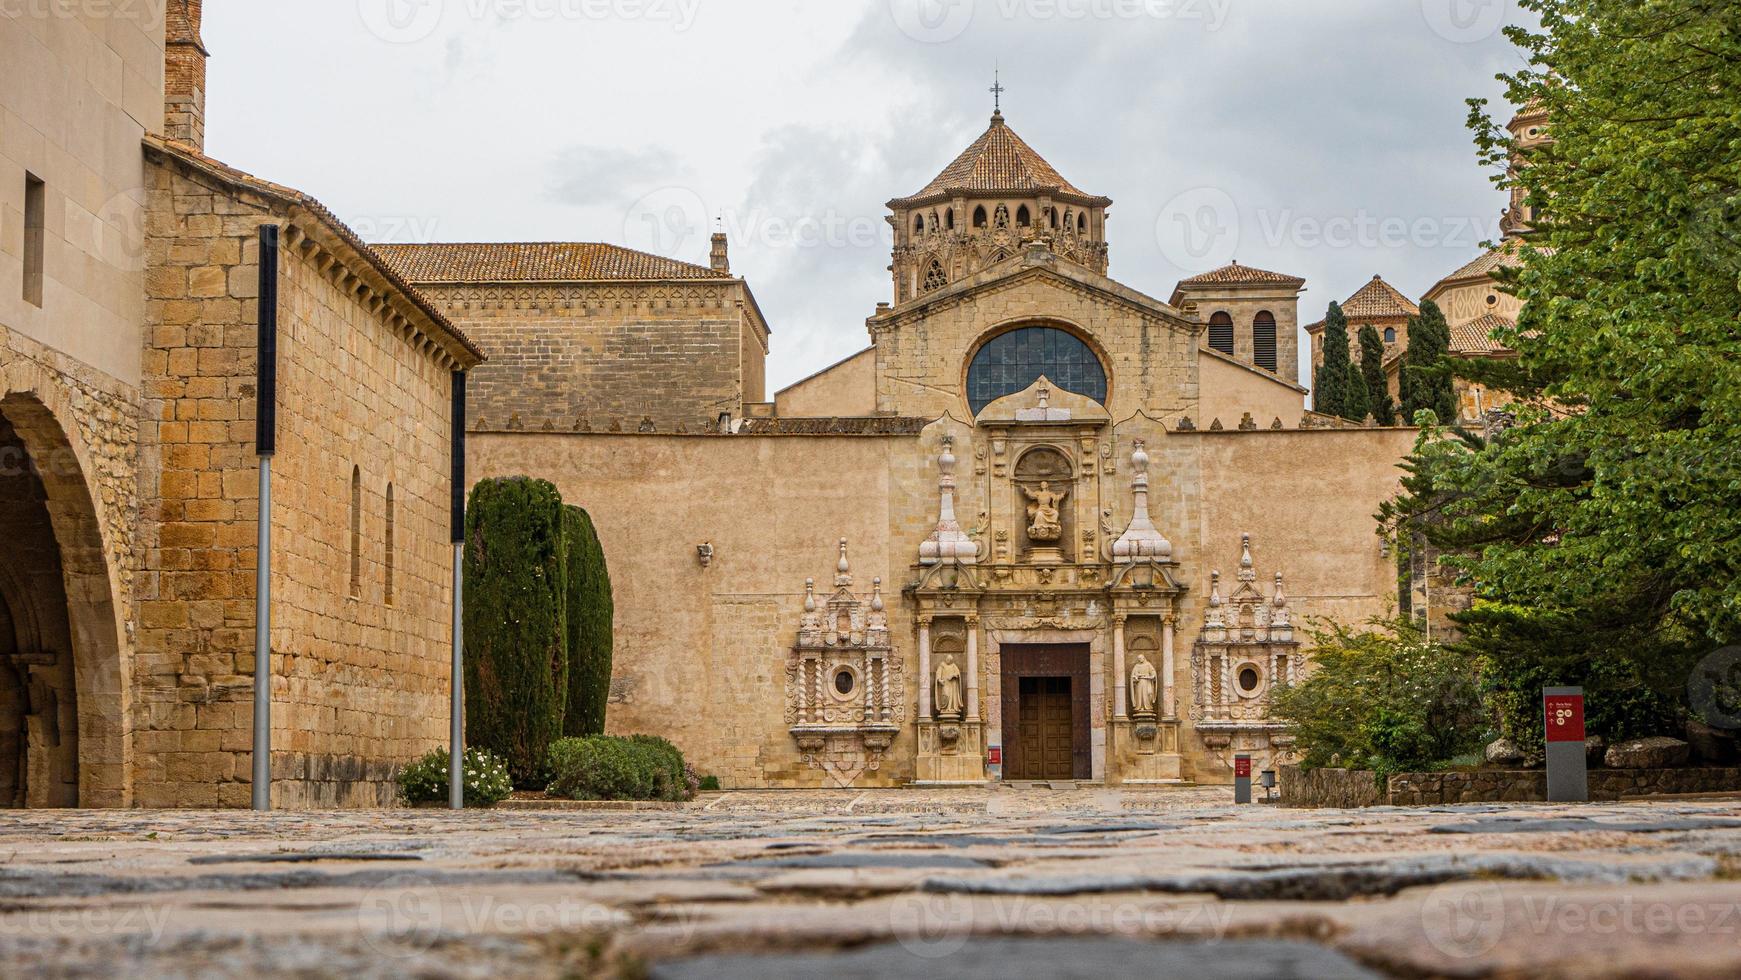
[456,705]
[265,442]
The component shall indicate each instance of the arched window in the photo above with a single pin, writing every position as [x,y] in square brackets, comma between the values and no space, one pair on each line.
[1023,218]
[1221,332]
[1052,218]
[356,532]
[979,219]
[1012,361]
[918,224]
[1263,341]
[935,277]
[1082,224]
[949,219]
[387,592]
[1390,335]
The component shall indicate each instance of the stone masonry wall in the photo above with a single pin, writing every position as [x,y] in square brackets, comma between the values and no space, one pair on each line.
[358,685]
[604,357]
[1359,788]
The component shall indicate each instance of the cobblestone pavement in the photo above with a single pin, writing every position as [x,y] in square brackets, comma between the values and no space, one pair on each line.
[964,883]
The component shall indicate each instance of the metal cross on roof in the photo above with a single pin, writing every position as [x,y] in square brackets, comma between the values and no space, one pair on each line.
[997,90]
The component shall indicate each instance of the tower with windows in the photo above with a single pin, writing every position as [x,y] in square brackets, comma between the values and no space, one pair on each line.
[998,197]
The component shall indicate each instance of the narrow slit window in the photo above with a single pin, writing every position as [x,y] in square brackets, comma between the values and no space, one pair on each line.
[356,532]
[35,236]
[390,543]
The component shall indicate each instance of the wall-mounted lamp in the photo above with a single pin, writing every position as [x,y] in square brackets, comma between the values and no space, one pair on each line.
[704,553]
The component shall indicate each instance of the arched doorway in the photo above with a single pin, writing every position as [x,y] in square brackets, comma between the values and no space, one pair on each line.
[61,696]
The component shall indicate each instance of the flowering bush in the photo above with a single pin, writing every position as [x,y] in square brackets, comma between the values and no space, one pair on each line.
[486,779]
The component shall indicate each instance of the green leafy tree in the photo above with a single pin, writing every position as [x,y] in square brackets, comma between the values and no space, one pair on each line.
[516,637]
[1330,385]
[1357,399]
[1427,383]
[1601,532]
[1372,373]
[590,617]
[1383,698]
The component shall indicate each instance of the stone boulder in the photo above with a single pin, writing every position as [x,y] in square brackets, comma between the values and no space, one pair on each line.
[1658,752]
[1595,748]
[1713,746]
[1505,754]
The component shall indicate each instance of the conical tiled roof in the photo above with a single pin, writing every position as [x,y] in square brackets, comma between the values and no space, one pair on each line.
[999,162]
[1378,299]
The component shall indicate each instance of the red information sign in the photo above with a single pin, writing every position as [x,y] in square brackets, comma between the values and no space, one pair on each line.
[1242,766]
[996,755]
[1565,717]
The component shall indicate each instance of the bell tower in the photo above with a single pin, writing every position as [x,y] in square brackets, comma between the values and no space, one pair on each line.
[997,198]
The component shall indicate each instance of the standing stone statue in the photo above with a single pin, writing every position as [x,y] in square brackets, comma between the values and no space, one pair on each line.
[948,688]
[1143,687]
[1044,521]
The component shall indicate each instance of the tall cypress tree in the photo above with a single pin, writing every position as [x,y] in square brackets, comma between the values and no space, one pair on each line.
[516,635]
[589,626]
[1356,399]
[1330,386]
[1372,372]
[1426,369]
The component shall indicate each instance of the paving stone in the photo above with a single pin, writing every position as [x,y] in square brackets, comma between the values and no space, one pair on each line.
[1064,959]
[1581,825]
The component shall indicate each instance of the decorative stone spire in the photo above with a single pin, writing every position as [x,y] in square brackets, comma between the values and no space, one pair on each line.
[719,257]
[1247,571]
[1141,539]
[879,617]
[842,569]
[1216,617]
[948,543]
[810,625]
[1279,618]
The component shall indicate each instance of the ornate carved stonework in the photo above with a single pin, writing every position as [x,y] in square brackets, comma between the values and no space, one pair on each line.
[1246,650]
[844,689]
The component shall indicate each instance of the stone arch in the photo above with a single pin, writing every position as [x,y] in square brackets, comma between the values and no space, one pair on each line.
[38,411]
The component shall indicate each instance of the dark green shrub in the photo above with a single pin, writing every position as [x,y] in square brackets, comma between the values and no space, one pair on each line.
[425,781]
[1385,699]
[709,784]
[603,767]
[590,615]
[516,581]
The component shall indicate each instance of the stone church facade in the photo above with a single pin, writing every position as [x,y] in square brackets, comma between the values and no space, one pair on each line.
[1045,527]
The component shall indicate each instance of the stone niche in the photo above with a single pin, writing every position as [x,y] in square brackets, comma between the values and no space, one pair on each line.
[844,688]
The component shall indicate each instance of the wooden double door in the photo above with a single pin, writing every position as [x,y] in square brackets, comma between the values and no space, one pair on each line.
[1045,711]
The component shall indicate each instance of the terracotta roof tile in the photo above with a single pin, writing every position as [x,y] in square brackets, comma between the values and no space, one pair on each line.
[1476,336]
[1378,299]
[1482,266]
[999,161]
[1236,274]
[535,262]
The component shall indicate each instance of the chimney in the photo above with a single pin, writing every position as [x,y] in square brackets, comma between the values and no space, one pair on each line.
[184,74]
[718,259]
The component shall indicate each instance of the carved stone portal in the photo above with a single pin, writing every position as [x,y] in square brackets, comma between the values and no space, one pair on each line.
[844,689]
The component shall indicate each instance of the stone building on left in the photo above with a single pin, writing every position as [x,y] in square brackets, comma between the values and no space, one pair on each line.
[128,488]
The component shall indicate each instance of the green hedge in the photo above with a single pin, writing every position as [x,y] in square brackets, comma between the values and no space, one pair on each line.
[590,616]
[602,767]
[516,583]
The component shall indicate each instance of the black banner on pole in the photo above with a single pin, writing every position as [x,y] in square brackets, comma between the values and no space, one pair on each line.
[458,457]
[266,380]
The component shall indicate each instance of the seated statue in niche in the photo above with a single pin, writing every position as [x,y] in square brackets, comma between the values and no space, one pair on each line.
[1143,688]
[948,689]
[1045,523]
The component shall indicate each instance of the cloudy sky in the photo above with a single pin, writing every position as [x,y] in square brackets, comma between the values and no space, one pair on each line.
[1324,138]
